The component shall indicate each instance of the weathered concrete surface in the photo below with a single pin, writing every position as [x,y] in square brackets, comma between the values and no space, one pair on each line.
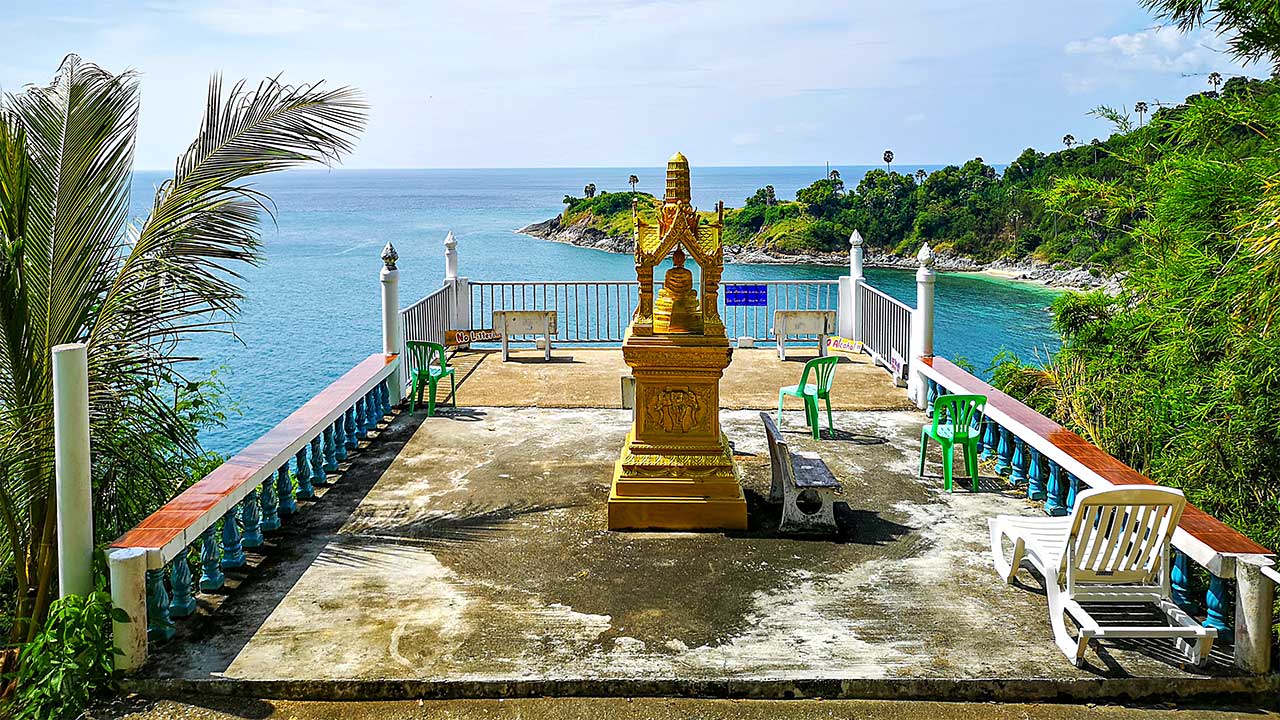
[469,557]
[590,378]
[658,709]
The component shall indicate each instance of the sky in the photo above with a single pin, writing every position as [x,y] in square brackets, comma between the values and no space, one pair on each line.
[614,83]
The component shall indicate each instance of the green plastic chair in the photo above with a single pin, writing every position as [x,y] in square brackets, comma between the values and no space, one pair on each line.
[423,371]
[824,370]
[957,420]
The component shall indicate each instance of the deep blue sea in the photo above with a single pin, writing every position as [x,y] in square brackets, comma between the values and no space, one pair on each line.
[312,308]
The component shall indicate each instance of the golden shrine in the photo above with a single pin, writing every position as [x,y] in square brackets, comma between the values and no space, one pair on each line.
[676,471]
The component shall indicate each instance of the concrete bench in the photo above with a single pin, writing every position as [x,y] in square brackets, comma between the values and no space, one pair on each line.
[803,322]
[525,322]
[803,484]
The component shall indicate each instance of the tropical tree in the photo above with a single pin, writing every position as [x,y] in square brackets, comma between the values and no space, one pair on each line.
[834,176]
[920,176]
[1215,81]
[589,191]
[1068,140]
[633,181]
[74,269]
[1141,108]
[888,160]
[1096,143]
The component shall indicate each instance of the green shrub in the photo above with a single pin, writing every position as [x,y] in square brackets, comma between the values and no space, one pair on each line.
[71,661]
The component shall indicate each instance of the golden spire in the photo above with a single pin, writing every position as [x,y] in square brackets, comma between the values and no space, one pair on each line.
[677,179]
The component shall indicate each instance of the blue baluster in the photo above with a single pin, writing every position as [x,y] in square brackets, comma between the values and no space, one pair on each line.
[232,550]
[362,421]
[1073,487]
[991,439]
[1055,493]
[285,492]
[982,434]
[211,577]
[340,438]
[1021,462]
[270,505]
[388,402]
[183,602]
[1004,455]
[249,514]
[933,395]
[1216,607]
[1036,476]
[159,626]
[330,452]
[372,410]
[384,404]
[353,442]
[1180,583]
[305,491]
[317,463]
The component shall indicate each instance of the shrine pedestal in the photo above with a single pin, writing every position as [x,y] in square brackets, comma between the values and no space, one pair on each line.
[676,471]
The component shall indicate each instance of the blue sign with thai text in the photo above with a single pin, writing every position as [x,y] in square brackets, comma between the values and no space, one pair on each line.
[746,295]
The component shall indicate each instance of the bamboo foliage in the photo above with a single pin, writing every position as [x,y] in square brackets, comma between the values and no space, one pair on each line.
[72,269]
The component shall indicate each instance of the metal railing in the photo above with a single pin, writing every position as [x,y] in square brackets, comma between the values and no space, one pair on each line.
[599,311]
[886,324]
[426,320]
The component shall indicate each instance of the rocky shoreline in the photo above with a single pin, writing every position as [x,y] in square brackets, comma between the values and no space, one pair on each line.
[582,235]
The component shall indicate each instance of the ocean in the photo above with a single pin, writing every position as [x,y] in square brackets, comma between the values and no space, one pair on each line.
[311,309]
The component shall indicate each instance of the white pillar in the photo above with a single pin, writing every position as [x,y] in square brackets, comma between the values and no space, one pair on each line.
[855,279]
[1255,595]
[450,257]
[921,325]
[71,469]
[460,287]
[128,569]
[392,331]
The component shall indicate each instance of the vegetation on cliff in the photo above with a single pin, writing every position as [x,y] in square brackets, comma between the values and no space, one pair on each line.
[970,210]
[1179,375]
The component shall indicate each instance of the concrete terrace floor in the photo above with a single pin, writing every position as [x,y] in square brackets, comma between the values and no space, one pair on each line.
[466,555]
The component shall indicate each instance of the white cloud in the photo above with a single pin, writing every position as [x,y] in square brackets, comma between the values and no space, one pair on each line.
[1158,49]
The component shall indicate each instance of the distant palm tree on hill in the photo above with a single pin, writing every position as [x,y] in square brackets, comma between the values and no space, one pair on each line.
[1068,140]
[1215,79]
[888,160]
[589,191]
[1096,143]
[1140,108]
[920,176]
[633,180]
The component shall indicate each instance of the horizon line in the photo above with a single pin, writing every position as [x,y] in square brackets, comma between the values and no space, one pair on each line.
[311,168]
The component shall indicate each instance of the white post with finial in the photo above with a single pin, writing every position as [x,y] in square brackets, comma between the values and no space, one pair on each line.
[922,325]
[460,287]
[392,329]
[849,312]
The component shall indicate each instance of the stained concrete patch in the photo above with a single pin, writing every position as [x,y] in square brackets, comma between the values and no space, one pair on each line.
[473,548]
[580,377]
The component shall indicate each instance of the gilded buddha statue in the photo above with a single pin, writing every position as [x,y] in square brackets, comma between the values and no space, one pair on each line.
[676,309]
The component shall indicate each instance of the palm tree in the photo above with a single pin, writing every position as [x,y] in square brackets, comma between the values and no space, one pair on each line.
[1141,108]
[633,181]
[833,175]
[1068,140]
[920,176]
[888,160]
[1215,79]
[1096,143]
[74,269]
[589,191]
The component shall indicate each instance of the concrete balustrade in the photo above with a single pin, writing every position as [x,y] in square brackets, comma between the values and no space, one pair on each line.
[1033,449]
[151,575]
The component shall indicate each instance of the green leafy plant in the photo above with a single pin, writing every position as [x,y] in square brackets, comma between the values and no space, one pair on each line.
[70,661]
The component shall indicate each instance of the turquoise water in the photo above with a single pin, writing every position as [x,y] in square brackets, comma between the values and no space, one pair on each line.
[312,308]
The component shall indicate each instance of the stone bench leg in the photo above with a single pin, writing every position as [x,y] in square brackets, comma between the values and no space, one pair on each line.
[795,520]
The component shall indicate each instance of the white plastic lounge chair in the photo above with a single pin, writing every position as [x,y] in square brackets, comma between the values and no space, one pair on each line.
[1113,548]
